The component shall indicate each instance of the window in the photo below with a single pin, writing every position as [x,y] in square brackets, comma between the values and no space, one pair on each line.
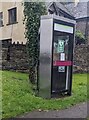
[1,19]
[12,14]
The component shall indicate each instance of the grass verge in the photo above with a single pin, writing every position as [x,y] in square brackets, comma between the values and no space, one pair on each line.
[18,97]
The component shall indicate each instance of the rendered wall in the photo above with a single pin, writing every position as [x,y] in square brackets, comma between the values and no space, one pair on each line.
[14,31]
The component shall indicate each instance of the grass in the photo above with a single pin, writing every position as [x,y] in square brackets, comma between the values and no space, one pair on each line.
[18,97]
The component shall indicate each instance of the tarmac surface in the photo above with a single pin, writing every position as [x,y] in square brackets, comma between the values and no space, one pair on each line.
[77,111]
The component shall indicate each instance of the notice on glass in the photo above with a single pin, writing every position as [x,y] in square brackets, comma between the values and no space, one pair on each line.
[60,47]
[62,57]
[61,69]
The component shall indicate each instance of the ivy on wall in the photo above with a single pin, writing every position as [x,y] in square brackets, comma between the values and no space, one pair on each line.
[32,14]
[79,38]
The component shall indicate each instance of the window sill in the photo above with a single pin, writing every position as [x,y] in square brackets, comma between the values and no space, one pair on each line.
[11,23]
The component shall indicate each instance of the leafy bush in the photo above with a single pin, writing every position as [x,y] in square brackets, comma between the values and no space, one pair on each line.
[79,38]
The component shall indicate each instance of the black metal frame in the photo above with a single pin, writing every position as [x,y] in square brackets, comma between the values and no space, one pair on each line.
[71,36]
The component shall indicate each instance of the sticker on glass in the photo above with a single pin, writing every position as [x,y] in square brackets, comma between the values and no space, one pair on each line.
[60,47]
[62,57]
[61,69]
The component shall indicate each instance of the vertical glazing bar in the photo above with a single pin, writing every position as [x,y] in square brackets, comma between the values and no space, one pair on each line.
[67,77]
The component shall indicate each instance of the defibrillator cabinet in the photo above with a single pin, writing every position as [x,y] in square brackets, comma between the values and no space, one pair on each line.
[56,56]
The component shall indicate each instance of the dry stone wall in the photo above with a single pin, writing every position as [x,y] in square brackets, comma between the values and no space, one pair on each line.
[81,56]
[15,58]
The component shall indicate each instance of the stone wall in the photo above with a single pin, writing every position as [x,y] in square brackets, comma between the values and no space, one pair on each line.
[14,57]
[81,59]
[83,26]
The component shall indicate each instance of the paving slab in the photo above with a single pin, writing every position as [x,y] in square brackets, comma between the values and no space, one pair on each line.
[77,111]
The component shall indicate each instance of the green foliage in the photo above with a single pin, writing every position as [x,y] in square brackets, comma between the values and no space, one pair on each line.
[18,97]
[32,13]
[80,34]
[79,37]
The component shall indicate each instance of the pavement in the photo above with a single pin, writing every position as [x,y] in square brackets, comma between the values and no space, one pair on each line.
[77,111]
